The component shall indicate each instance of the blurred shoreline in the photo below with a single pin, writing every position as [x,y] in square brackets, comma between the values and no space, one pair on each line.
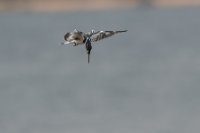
[70,5]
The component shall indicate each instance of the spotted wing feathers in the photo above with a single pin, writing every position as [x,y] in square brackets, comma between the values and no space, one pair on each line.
[99,35]
[74,37]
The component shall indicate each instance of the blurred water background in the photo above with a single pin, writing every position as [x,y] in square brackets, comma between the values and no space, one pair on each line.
[142,81]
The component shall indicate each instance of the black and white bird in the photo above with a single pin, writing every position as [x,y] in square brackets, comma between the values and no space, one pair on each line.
[78,38]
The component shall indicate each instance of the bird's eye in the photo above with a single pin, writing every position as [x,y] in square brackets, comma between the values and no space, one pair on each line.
[76,38]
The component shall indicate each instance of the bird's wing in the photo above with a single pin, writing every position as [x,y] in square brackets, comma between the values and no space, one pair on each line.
[67,35]
[77,37]
[99,35]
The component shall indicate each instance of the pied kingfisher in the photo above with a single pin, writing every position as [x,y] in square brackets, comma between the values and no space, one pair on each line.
[77,38]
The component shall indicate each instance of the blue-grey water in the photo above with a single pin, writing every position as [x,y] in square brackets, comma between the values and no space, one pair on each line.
[144,81]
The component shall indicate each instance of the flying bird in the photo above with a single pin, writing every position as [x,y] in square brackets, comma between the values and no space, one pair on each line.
[78,38]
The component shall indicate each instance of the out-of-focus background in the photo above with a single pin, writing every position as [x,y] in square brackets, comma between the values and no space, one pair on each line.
[74,5]
[142,81]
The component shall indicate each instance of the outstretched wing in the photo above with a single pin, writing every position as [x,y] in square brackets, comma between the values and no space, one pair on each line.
[99,35]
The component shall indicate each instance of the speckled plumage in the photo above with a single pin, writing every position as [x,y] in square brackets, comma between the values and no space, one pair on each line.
[77,38]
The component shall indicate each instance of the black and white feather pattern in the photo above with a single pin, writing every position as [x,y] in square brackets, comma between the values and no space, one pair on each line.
[77,37]
[99,35]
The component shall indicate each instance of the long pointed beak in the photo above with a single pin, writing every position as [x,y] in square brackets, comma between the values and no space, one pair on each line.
[88,58]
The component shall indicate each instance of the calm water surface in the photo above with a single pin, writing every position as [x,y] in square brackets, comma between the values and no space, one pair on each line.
[142,81]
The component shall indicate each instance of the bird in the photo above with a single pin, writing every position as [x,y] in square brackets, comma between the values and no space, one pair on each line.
[79,38]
